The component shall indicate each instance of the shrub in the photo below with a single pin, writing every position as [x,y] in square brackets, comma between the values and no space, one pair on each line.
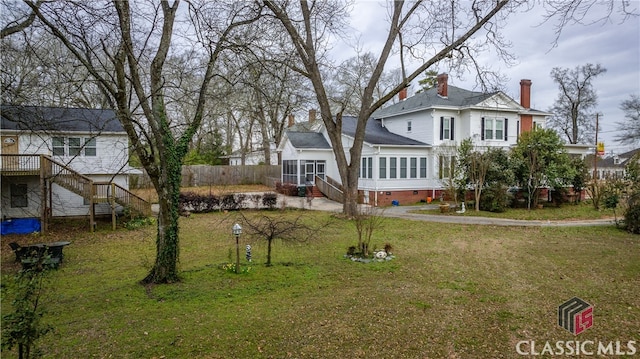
[494,199]
[270,200]
[288,189]
[632,218]
[193,202]
[24,326]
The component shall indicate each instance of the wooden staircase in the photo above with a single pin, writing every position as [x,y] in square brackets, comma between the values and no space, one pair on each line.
[51,171]
[95,192]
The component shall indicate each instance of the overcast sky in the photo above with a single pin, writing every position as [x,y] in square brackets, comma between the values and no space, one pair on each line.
[613,44]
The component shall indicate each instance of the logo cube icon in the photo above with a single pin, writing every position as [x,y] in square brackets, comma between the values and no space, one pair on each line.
[575,315]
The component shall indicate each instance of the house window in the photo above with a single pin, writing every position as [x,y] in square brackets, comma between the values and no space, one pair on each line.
[366,167]
[320,171]
[75,148]
[90,147]
[413,167]
[446,128]
[58,146]
[403,167]
[393,167]
[408,126]
[290,171]
[382,168]
[423,167]
[445,166]
[19,195]
[494,129]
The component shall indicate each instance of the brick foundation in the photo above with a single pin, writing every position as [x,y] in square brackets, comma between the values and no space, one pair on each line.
[385,198]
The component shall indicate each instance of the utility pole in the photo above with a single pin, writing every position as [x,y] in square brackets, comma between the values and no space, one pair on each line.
[595,152]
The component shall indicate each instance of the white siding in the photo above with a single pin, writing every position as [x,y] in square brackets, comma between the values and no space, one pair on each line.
[111,152]
[33,197]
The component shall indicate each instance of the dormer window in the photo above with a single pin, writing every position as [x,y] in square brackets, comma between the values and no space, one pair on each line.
[409,126]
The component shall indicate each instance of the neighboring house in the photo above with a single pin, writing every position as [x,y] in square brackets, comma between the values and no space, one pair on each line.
[253,158]
[612,167]
[408,146]
[63,162]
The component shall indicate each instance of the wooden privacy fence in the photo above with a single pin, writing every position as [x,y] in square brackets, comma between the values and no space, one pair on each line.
[205,175]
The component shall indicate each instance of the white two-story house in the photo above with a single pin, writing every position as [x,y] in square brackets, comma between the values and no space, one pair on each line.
[408,146]
[63,162]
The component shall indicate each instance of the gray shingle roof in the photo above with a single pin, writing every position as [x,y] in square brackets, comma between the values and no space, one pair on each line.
[375,134]
[457,97]
[37,118]
[308,140]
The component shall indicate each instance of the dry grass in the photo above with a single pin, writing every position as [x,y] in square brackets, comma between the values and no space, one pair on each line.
[452,292]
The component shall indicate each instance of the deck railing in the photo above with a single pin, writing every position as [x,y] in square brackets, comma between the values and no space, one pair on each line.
[59,173]
[20,164]
[105,191]
[334,183]
[68,178]
[329,190]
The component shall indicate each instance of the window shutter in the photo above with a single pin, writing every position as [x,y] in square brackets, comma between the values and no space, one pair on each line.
[482,129]
[441,128]
[452,129]
[506,129]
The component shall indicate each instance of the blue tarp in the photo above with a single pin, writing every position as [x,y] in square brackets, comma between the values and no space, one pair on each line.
[20,226]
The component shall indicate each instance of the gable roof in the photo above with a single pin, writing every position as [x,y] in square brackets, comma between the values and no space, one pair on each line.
[376,134]
[308,140]
[629,154]
[58,119]
[456,98]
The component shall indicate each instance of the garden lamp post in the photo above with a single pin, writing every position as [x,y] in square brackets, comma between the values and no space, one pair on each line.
[237,231]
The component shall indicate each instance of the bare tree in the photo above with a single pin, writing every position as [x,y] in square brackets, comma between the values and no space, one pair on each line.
[125,47]
[563,13]
[630,129]
[273,227]
[21,17]
[434,31]
[573,116]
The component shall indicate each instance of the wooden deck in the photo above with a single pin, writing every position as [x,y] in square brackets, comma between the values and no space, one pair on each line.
[51,171]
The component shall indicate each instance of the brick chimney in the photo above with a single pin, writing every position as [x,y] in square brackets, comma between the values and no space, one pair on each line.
[312,116]
[402,95]
[443,80]
[525,93]
[291,120]
[526,121]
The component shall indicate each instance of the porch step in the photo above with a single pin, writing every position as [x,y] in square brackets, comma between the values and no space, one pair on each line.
[315,192]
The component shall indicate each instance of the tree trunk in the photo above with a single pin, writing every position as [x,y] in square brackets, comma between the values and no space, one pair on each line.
[269,251]
[165,268]
[350,205]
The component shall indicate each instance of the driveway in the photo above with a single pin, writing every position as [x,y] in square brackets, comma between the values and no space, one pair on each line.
[404,212]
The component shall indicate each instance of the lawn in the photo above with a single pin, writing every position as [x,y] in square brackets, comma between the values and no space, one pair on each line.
[453,291]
